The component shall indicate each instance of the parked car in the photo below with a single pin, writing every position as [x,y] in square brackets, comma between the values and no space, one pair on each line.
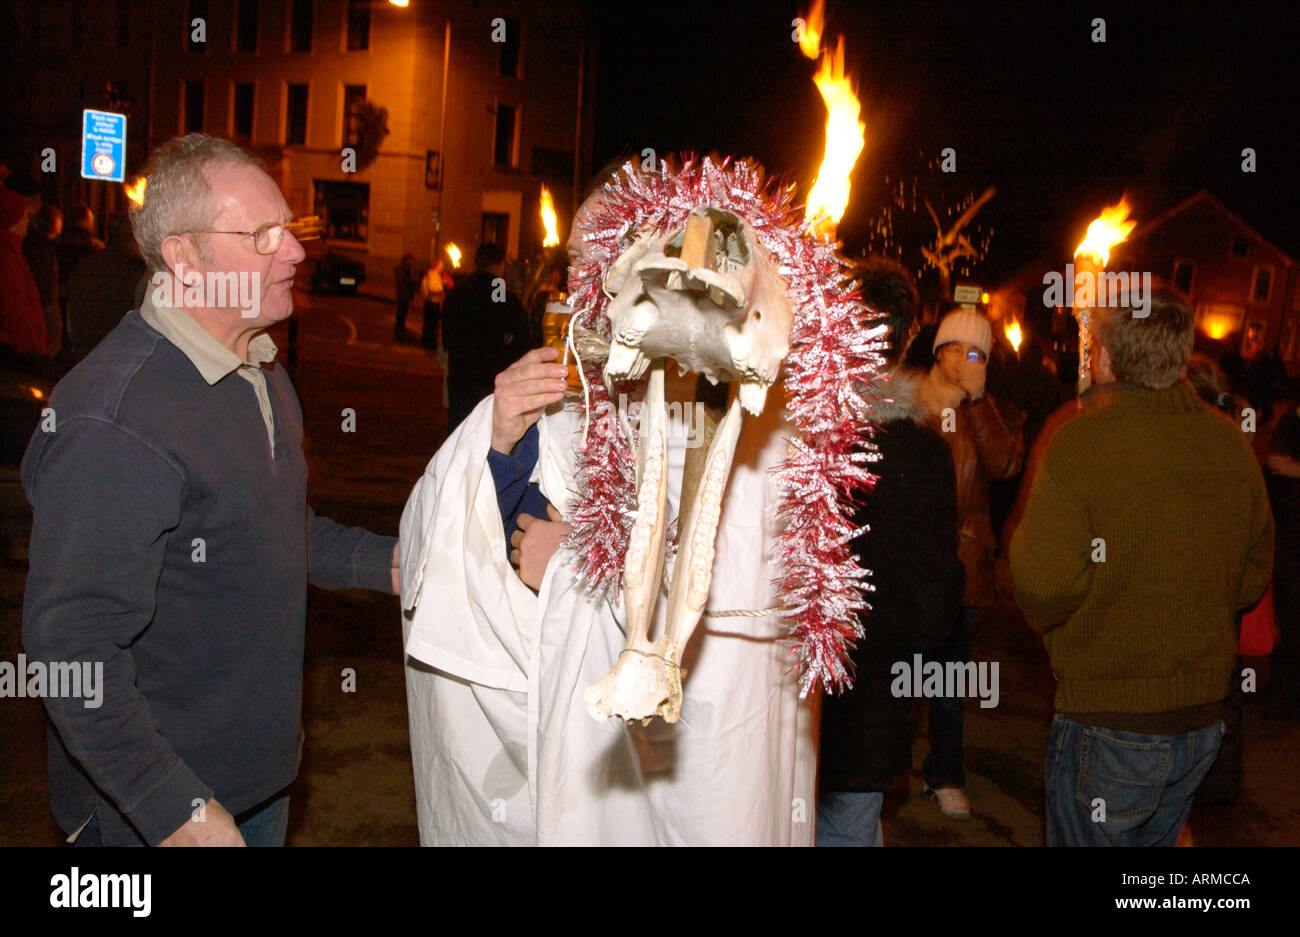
[337,273]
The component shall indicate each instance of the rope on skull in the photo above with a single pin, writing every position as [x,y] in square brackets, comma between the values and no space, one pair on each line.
[632,650]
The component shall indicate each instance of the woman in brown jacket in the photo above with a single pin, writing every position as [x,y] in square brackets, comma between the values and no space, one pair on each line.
[987,443]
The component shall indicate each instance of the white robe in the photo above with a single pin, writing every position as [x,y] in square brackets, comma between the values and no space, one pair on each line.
[503,748]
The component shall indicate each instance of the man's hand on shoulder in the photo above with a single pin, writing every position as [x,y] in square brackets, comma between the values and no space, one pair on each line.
[212,826]
[523,391]
[534,543]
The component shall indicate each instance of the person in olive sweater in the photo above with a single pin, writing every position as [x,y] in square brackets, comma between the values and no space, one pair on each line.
[1147,528]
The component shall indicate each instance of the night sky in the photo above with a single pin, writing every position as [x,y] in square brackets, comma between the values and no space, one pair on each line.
[1062,125]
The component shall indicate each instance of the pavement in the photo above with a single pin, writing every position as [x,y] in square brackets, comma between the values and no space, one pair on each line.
[355,786]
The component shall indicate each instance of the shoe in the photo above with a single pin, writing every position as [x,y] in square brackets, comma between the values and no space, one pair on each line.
[951,800]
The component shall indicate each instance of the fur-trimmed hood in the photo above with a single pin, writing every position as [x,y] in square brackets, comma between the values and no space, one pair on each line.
[895,395]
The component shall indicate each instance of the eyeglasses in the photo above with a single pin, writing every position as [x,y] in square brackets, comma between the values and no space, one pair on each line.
[267,238]
[974,355]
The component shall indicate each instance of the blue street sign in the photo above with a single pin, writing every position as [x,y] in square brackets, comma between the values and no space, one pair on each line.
[103,146]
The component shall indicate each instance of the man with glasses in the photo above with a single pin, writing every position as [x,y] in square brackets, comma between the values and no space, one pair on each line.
[172,543]
[987,443]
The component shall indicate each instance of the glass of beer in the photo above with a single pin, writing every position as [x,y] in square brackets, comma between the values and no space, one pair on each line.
[555,334]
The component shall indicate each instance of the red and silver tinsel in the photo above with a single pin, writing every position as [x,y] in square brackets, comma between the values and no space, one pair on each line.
[834,356]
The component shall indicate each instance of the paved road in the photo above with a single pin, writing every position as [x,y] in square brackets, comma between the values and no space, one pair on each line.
[356,786]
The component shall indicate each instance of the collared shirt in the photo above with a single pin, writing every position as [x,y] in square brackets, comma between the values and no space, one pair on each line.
[212,359]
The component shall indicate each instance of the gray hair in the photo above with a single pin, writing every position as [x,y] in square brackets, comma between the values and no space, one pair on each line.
[177,198]
[1152,350]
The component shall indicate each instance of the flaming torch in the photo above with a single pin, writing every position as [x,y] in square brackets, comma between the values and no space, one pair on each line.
[845,133]
[135,191]
[1109,228]
[552,238]
[1014,335]
[453,252]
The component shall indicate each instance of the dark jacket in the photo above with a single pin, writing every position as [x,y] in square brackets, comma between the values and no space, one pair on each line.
[106,286]
[172,548]
[482,336]
[71,246]
[911,551]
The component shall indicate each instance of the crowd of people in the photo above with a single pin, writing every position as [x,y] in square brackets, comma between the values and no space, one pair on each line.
[1135,523]
[62,289]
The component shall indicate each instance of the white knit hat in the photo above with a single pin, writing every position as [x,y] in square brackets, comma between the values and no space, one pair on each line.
[962,326]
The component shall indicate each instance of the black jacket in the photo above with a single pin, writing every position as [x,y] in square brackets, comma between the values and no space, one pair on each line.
[911,552]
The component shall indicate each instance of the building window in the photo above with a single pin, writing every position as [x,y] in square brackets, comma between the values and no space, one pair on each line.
[1261,287]
[1240,246]
[503,150]
[1183,270]
[243,111]
[246,26]
[193,120]
[295,116]
[198,10]
[510,49]
[358,25]
[495,229]
[353,97]
[1220,320]
[302,17]
[344,208]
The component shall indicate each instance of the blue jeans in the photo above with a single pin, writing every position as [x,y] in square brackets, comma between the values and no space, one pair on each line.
[1105,787]
[943,766]
[847,818]
[267,824]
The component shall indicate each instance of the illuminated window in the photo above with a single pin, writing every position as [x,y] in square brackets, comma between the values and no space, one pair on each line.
[302,16]
[353,97]
[358,25]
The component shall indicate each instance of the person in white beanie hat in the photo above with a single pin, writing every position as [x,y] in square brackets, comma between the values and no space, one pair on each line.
[969,328]
[987,443]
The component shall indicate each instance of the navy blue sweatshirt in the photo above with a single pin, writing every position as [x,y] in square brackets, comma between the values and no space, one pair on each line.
[170,544]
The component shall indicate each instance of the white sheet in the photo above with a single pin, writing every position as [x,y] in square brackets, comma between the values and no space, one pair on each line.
[503,748]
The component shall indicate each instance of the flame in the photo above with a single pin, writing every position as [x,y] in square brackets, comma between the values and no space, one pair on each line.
[37,393]
[548,219]
[454,253]
[135,190]
[1108,229]
[1014,335]
[845,137]
[810,41]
